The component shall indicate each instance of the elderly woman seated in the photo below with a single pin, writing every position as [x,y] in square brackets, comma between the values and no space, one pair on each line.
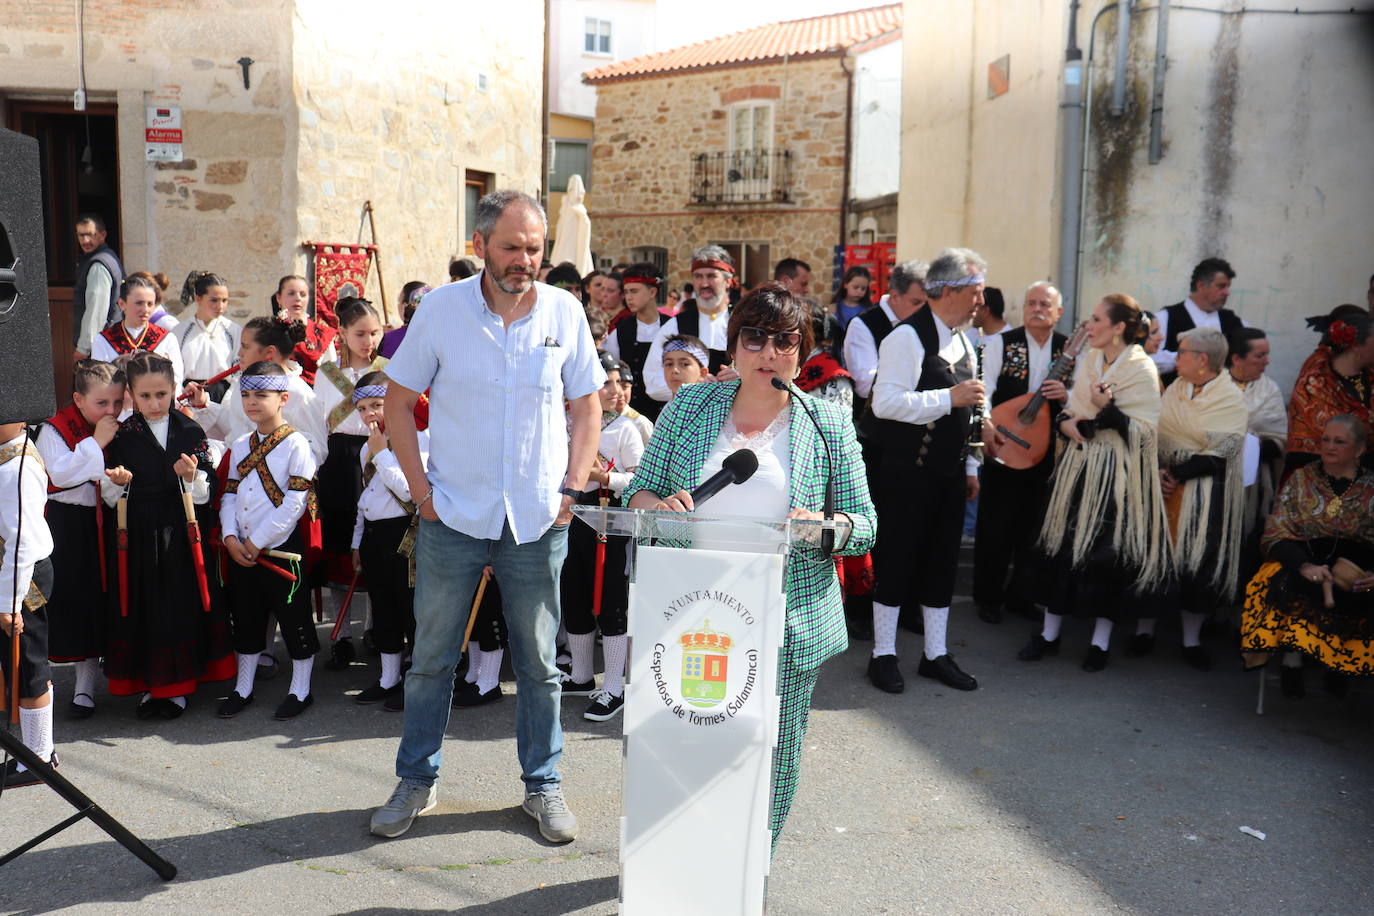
[1313,594]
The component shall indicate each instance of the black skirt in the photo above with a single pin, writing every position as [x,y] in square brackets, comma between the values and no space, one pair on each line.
[340,486]
[76,608]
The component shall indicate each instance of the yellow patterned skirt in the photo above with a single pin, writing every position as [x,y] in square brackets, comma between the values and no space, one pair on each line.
[1266,628]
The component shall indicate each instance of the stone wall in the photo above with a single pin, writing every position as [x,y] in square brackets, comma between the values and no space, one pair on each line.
[228,206]
[396,116]
[648,130]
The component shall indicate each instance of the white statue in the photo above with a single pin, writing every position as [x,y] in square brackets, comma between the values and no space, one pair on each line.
[573,241]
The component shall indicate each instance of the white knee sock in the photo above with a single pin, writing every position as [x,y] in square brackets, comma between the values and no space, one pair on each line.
[248,668]
[613,649]
[1102,633]
[885,629]
[1192,628]
[1292,659]
[1145,626]
[475,654]
[581,645]
[1053,624]
[936,621]
[87,673]
[300,676]
[490,675]
[391,670]
[35,725]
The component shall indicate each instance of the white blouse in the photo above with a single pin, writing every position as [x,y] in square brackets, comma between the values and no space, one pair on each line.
[71,469]
[766,494]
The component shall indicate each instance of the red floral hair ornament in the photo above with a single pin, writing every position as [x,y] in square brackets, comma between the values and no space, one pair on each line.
[1342,334]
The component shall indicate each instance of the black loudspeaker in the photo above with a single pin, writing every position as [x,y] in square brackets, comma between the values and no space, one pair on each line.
[26,384]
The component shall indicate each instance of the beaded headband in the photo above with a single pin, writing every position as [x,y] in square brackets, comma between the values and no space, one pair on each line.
[264,383]
[363,392]
[970,280]
[691,349]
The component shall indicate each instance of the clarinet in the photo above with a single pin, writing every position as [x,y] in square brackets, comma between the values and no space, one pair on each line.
[977,418]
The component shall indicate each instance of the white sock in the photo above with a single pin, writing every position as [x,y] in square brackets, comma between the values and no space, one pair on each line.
[1292,659]
[936,625]
[1145,626]
[248,669]
[582,645]
[1053,624]
[1102,633]
[613,650]
[180,701]
[475,654]
[490,675]
[87,673]
[885,629]
[391,670]
[36,727]
[1192,628]
[300,676]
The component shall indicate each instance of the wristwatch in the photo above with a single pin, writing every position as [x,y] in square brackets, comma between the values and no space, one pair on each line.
[575,495]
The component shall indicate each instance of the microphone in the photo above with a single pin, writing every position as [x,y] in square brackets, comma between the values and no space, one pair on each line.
[736,468]
[828,509]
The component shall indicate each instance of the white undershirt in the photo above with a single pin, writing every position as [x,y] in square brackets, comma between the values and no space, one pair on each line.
[767,494]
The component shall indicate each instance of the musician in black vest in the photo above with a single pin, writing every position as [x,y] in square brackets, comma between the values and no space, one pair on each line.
[920,415]
[96,292]
[705,316]
[905,295]
[1012,501]
[633,335]
[1204,308]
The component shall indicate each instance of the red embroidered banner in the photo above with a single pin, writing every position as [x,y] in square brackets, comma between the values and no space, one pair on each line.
[340,271]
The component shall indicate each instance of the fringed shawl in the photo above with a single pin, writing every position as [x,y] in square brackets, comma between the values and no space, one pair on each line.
[1210,419]
[1111,477]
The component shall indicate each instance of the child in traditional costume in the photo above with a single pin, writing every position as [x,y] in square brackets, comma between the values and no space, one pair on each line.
[166,633]
[384,533]
[685,361]
[26,578]
[291,302]
[208,340]
[341,481]
[72,443]
[138,302]
[268,493]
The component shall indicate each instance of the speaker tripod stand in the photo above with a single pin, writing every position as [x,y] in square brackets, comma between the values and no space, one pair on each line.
[85,808]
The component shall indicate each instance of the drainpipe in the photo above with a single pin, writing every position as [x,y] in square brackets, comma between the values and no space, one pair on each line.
[544,118]
[848,142]
[1071,170]
[1161,64]
[1123,57]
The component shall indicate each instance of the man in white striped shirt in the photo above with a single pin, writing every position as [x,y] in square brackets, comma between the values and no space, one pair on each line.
[499,353]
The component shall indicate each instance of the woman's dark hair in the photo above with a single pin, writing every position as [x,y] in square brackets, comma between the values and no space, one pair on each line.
[159,280]
[407,307]
[264,367]
[281,285]
[773,307]
[352,309]
[1122,309]
[198,283]
[564,275]
[1342,316]
[850,274]
[88,373]
[278,333]
[460,269]
[375,377]
[145,363]
[1238,342]
[139,280]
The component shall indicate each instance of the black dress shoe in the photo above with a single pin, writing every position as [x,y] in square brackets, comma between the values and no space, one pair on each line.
[885,674]
[989,613]
[148,708]
[233,705]
[341,655]
[267,667]
[1095,660]
[470,697]
[1038,648]
[1291,683]
[944,670]
[11,777]
[1197,657]
[293,706]
[377,693]
[1140,645]
[397,701]
[170,709]
[76,711]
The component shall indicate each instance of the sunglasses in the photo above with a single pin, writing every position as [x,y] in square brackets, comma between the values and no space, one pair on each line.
[783,341]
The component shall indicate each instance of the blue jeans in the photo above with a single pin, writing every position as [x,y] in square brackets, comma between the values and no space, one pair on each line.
[448,565]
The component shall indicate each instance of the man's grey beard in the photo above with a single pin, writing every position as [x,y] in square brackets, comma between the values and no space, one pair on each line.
[504,285]
[712,298]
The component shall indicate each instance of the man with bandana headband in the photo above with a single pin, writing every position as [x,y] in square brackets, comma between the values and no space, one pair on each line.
[706,316]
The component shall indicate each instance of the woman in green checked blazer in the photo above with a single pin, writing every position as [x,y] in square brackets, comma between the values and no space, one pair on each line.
[769,331]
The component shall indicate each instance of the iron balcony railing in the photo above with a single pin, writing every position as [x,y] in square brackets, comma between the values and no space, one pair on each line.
[742,176]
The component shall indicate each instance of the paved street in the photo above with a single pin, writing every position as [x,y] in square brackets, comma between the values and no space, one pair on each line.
[1046,791]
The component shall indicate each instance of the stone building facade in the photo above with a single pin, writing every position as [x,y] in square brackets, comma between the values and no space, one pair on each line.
[334,110]
[748,153]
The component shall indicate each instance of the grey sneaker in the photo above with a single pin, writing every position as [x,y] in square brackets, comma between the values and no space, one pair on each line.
[556,823]
[406,803]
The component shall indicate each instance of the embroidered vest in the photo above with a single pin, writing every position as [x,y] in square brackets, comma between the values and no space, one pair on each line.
[118,338]
[1014,379]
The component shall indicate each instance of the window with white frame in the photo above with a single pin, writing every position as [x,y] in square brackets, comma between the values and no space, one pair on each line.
[751,127]
[596,38]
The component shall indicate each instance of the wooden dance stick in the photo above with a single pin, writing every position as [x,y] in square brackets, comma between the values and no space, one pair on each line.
[282,555]
[344,605]
[213,381]
[273,567]
[197,553]
[14,665]
[472,617]
[122,549]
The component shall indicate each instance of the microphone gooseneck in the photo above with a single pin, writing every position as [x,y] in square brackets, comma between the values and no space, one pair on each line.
[828,509]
